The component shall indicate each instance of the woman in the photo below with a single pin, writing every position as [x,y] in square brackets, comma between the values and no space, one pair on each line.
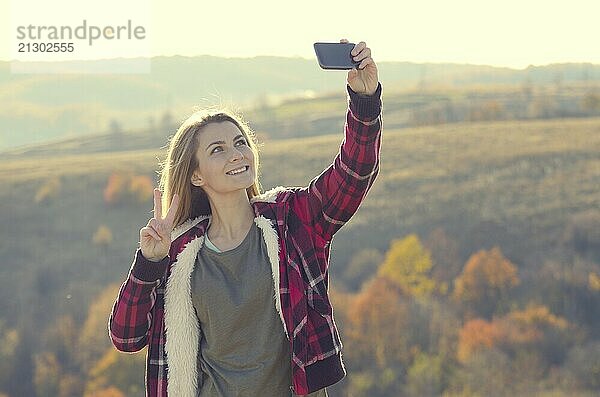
[229,288]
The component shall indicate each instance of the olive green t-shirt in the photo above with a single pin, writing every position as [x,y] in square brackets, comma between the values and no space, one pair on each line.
[243,349]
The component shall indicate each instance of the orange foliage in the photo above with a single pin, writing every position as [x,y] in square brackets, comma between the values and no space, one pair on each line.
[122,186]
[116,370]
[108,392]
[594,282]
[142,188]
[514,331]
[528,325]
[48,191]
[115,187]
[92,340]
[477,334]
[485,279]
[47,373]
[71,385]
[377,311]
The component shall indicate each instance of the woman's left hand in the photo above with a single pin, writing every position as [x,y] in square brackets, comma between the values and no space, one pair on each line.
[364,79]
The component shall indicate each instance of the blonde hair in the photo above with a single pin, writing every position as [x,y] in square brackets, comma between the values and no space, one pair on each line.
[176,171]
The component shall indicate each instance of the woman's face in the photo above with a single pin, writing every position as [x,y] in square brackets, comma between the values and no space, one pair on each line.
[222,151]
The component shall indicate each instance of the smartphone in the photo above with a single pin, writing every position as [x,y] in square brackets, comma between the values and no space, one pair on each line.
[335,56]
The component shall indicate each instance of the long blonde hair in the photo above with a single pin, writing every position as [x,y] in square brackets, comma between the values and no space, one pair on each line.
[176,171]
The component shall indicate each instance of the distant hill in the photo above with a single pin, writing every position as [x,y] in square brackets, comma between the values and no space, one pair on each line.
[38,107]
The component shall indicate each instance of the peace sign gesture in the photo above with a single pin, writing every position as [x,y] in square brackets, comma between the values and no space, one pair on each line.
[155,238]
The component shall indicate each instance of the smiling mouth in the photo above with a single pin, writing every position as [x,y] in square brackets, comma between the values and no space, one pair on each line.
[239,171]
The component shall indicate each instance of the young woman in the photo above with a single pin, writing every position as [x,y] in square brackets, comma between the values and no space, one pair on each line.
[229,288]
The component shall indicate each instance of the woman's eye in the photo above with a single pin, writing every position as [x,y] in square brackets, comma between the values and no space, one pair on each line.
[241,141]
[217,147]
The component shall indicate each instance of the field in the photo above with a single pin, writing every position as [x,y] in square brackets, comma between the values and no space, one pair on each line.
[513,184]
[525,179]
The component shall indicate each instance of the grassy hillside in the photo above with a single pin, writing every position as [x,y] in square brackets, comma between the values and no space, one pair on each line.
[511,184]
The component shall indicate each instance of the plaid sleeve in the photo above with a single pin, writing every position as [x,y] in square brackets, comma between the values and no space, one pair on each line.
[334,196]
[131,315]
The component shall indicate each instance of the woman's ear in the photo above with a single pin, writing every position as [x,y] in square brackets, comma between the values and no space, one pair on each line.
[196,179]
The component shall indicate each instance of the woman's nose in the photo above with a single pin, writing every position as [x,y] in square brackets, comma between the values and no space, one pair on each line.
[236,155]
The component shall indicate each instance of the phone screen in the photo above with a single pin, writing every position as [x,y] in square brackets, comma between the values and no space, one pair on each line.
[335,55]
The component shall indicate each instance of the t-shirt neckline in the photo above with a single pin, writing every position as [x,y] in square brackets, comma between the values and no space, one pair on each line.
[220,253]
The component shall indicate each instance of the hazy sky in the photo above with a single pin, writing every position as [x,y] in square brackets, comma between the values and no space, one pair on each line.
[513,33]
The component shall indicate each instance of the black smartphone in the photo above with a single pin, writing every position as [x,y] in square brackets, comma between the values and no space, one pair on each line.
[335,56]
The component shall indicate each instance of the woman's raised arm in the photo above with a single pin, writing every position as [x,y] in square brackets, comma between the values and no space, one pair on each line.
[331,198]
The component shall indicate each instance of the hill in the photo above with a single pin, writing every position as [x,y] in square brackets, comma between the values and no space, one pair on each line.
[518,185]
[41,107]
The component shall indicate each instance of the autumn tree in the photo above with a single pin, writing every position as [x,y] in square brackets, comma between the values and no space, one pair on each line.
[536,330]
[70,385]
[386,330]
[115,188]
[569,288]
[103,236]
[408,264]
[48,191]
[93,339]
[114,369]
[378,311]
[60,340]
[379,361]
[487,373]
[476,335]
[594,281]
[124,186]
[9,342]
[532,337]
[47,374]
[428,375]
[486,367]
[141,188]
[108,392]
[485,282]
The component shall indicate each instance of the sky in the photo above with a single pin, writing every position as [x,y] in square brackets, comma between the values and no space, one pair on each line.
[512,33]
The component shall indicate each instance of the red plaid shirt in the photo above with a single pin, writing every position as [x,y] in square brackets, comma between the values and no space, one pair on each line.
[302,222]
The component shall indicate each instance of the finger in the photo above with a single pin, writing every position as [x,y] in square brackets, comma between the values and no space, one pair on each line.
[343,40]
[172,209]
[157,204]
[365,53]
[154,224]
[365,62]
[155,233]
[352,73]
[148,231]
[358,48]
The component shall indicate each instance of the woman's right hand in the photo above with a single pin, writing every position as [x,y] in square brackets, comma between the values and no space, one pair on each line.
[155,238]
